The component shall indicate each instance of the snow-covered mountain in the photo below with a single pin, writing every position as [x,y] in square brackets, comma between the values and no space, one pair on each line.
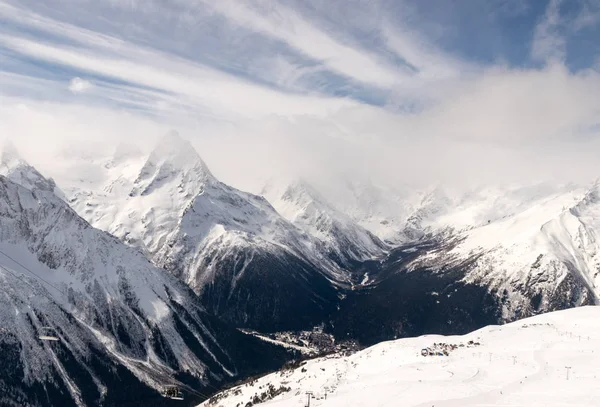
[126,329]
[16,169]
[248,263]
[433,205]
[542,256]
[344,240]
[466,257]
[140,198]
[497,256]
[549,360]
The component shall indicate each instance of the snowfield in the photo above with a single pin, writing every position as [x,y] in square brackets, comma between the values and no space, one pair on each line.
[548,360]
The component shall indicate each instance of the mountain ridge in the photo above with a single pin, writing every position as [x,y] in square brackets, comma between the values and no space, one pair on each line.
[119,320]
[344,240]
[170,206]
[302,251]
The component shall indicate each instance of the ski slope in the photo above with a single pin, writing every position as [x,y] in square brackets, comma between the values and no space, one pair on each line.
[520,364]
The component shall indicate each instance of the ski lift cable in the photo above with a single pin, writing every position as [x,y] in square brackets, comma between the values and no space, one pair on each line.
[190,389]
[180,384]
[18,277]
[183,385]
[44,335]
[175,382]
[213,387]
[32,273]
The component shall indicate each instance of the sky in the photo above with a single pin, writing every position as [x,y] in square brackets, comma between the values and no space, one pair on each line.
[404,91]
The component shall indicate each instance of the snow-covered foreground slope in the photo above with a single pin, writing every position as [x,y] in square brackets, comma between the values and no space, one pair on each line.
[125,327]
[550,360]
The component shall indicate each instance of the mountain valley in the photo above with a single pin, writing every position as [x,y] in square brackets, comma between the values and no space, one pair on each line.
[152,272]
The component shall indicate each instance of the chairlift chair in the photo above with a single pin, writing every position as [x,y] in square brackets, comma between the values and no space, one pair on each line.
[48,334]
[173,393]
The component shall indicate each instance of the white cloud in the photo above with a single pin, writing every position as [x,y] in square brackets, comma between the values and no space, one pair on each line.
[505,125]
[279,23]
[553,31]
[549,43]
[589,15]
[78,85]
[288,26]
[194,84]
[480,125]
[515,106]
[200,86]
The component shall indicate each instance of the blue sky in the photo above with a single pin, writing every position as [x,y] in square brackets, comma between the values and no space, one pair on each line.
[362,50]
[495,70]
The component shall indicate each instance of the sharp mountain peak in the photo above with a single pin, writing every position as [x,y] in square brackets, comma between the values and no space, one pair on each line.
[173,157]
[19,171]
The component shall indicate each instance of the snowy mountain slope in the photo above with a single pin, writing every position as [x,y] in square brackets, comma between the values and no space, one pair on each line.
[540,256]
[505,252]
[433,205]
[537,259]
[140,198]
[126,328]
[248,263]
[472,208]
[532,248]
[541,251]
[344,240]
[223,242]
[574,238]
[519,364]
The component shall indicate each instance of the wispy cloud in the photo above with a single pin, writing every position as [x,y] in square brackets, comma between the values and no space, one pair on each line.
[114,59]
[561,21]
[549,42]
[297,55]
[589,15]
[314,86]
[78,85]
[288,26]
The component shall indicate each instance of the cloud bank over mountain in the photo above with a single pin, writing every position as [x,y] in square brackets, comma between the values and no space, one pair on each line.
[399,92]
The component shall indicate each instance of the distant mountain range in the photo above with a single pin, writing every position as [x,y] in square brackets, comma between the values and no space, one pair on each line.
[515,244]
[169,261]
